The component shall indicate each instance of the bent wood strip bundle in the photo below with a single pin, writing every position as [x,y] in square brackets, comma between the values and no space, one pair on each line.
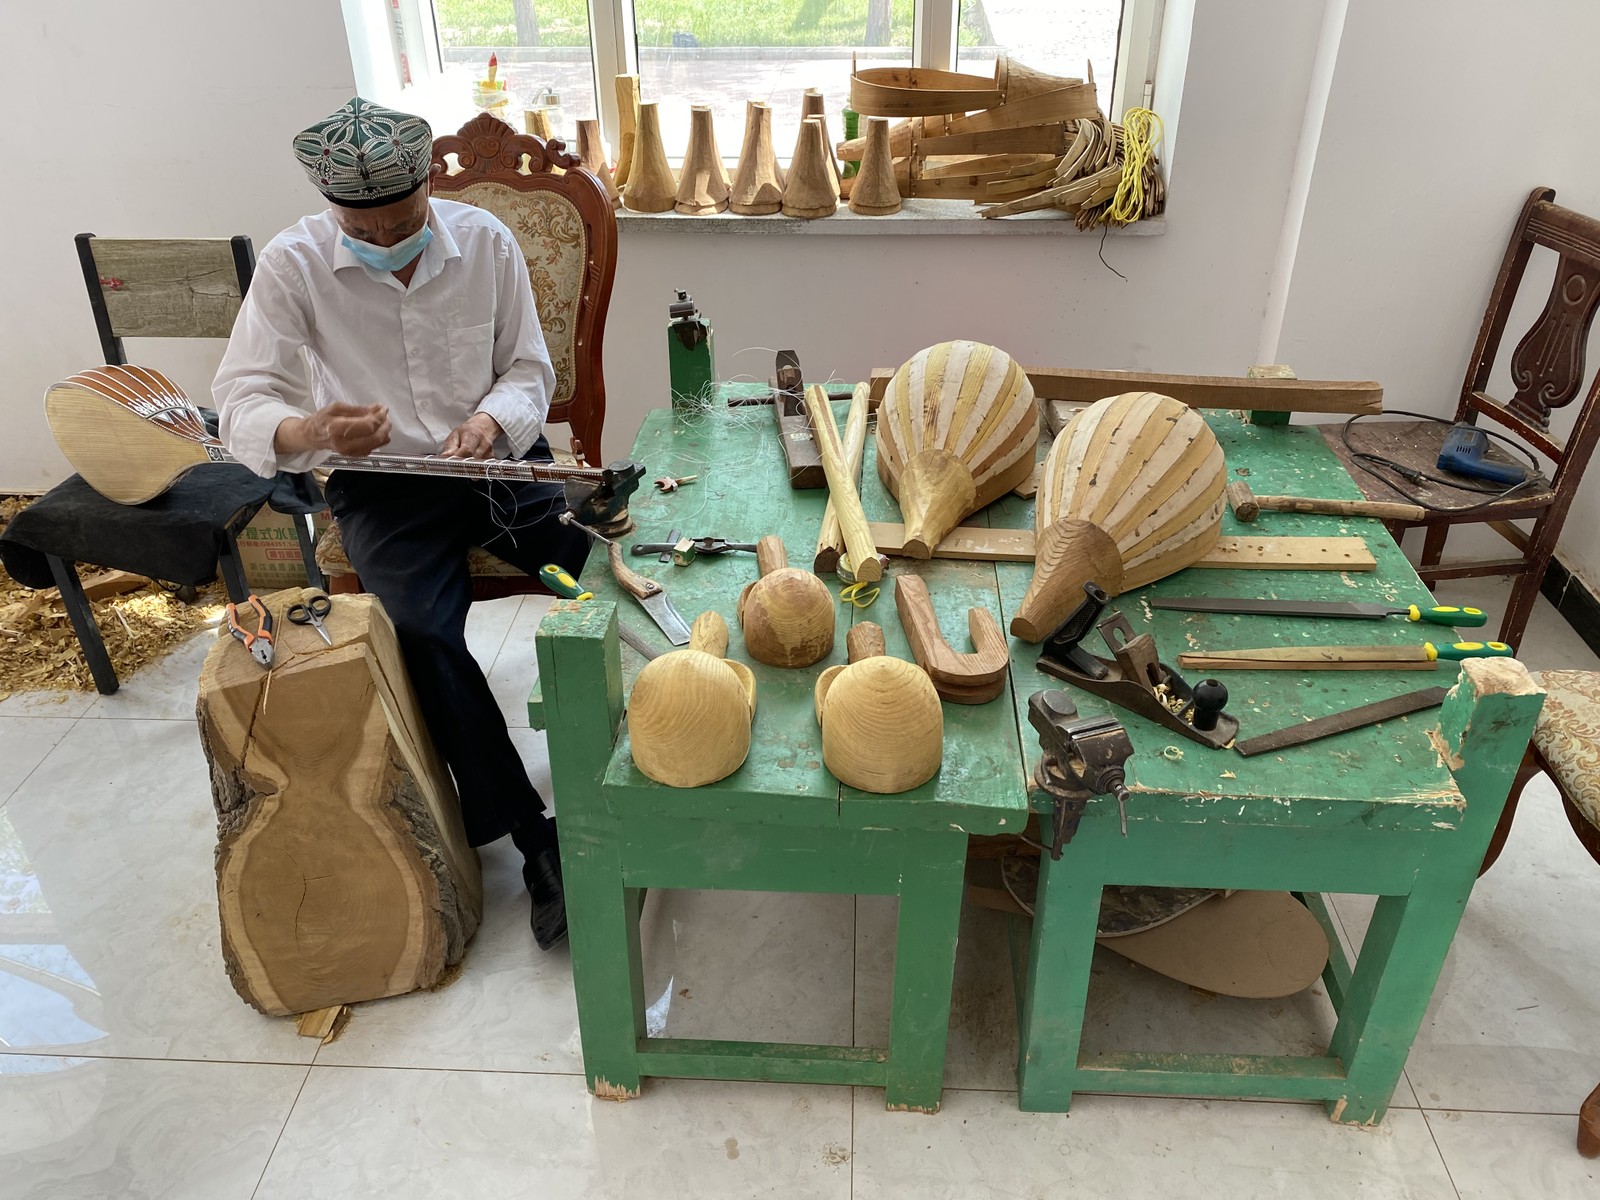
[956,431]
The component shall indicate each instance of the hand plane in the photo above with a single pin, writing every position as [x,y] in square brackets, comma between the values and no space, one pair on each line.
[1135,678]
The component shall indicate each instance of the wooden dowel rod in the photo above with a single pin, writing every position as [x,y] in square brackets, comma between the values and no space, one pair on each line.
[830,542]
[842,487]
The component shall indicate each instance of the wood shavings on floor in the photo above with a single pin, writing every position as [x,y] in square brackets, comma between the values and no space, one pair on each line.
[39,651]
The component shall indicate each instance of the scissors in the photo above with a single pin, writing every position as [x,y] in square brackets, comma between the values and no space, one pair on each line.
[859,594]
[310,610]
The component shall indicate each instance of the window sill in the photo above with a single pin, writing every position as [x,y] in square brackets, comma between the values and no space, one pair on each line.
[958,217]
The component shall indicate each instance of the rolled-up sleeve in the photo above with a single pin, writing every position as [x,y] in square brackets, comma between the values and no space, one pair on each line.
[260,382]
[524,376]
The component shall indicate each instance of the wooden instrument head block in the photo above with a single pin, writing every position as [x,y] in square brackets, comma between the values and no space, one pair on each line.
[690,711]
[787,615]
[651,186]
[703,182]
[956,431]
[1131,491]
[758,182]
[882,727]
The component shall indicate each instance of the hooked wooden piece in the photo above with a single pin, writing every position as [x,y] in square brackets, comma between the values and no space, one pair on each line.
[651,186]
[703,182]
[1131,491]
[956,431]
[758,183]
[690,711]
[787,615]
[975,678]
[882,727]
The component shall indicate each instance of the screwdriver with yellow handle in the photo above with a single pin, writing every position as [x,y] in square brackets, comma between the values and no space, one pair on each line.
[563,584]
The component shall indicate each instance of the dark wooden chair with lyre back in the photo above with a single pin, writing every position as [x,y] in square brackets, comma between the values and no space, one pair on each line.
[138,288]
[567,229]
[1547,370]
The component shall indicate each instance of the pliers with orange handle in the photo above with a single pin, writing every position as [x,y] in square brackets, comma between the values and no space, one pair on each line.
[259,640]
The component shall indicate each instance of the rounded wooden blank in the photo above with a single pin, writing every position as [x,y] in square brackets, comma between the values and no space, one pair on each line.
[812,190]
[882,726]
[787,615]
[757,187]
[689,719]
[651,186]
[703,182]
[874,193]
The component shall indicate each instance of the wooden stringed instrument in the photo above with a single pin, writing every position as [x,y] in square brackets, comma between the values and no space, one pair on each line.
[132,433]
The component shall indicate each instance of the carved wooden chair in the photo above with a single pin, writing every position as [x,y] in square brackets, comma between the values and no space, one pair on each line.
[1566,747]
[1547,369]
[567,228]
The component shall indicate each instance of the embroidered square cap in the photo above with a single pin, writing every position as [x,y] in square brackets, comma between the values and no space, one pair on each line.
[366,155]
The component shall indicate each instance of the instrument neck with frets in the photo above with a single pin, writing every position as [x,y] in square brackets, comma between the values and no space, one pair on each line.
[132,433]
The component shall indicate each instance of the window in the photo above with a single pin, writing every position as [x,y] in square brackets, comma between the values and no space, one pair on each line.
[725,52]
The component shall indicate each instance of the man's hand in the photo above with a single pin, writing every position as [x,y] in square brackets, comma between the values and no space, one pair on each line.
[349,429]
[473,438]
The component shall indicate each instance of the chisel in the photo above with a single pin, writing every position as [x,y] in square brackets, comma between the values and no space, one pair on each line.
[652,597]
[1440,614]
[1343,658]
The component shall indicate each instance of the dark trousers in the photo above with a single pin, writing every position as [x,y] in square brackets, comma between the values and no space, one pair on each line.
[407,537]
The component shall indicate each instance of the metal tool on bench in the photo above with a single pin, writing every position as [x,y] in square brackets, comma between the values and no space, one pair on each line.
[1082,757]
[703,545]
[1425,657]
[1136,679]
[312,606]
[1440,614]
[1355,718]
[258,640]
[795,435]
[603,503]
[652,597]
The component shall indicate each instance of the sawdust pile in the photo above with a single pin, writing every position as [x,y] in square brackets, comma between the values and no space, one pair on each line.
[39,651]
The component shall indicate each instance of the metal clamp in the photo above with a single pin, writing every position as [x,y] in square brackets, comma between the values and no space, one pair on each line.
[1083,757]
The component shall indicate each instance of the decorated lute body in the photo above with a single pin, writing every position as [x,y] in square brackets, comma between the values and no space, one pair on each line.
[1131,491]
[132,433]
[956,431]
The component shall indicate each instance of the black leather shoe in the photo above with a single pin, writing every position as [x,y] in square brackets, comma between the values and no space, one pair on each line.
[542,874]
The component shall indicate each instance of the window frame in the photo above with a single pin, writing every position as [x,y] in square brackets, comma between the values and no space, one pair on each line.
[613,49]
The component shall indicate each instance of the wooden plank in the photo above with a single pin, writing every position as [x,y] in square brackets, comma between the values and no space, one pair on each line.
[169,288]
[1254,553]
[1063,104]
[1065,391]
[1027,139]
[1212,391]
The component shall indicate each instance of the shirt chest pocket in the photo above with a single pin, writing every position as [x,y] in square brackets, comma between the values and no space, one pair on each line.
[471,350]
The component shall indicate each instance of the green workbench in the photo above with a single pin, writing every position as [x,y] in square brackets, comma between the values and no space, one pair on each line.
[1373,811]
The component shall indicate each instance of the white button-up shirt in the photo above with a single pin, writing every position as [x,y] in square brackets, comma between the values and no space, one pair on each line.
[463,338]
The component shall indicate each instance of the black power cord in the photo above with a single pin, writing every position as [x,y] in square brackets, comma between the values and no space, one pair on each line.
[1375,464]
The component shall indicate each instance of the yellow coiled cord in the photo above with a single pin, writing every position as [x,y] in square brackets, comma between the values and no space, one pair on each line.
[1141,134]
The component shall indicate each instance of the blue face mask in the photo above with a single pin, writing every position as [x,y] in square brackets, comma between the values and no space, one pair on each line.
[390,258]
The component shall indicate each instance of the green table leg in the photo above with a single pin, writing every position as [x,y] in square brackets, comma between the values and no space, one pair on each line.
[924,968]
[1066,913]
[581,671]
[1486,723]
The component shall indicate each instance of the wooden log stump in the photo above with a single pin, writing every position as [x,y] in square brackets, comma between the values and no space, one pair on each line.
[343,870]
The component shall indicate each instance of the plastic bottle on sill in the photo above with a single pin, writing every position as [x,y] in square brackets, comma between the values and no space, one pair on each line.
[550,102]
[852,129]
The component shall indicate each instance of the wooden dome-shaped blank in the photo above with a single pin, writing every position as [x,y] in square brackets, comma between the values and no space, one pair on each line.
[956,431]
[1132,491]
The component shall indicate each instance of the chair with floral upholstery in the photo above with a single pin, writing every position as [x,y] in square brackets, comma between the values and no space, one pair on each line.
[565,224]
[1566,747]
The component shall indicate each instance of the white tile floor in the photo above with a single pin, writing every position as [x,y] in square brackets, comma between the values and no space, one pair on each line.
[128,1067]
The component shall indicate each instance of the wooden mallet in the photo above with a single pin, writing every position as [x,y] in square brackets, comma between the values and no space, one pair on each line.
[1246,505]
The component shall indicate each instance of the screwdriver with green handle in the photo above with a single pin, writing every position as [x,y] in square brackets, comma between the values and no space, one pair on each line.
[1455,616]
[563,584]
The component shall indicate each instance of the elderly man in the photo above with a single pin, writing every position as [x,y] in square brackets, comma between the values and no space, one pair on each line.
[394,321]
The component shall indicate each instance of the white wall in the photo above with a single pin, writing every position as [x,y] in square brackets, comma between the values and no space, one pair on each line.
[1443,116]
[162,119]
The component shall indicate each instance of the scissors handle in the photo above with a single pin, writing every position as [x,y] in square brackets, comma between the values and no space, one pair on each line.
[311,608]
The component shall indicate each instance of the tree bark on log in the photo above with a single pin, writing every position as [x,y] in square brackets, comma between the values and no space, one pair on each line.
[343,871]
